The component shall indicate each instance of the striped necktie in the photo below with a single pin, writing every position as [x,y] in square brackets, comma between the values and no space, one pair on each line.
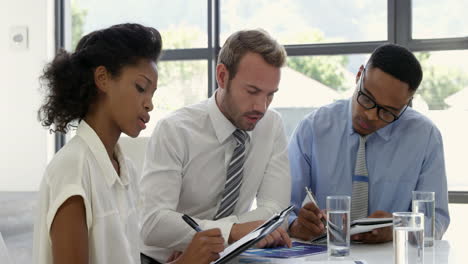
[234,176]
[360,196]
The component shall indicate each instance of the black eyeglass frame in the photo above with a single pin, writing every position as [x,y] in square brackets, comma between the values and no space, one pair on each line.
[375,105]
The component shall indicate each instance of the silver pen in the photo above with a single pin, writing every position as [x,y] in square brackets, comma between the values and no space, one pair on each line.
[314,201]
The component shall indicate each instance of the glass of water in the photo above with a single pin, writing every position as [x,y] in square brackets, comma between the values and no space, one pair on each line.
[4,252]
[408,238]
[424,202]
[338,222]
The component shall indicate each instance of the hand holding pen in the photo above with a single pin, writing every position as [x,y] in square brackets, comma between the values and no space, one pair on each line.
[310,222]
[312,198]
[205,245]
[191,223]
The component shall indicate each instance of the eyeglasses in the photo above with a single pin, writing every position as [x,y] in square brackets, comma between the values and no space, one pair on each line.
[368,103]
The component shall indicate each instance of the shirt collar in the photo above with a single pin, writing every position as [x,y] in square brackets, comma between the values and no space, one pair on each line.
[221,125]
[99,151]
[385,132]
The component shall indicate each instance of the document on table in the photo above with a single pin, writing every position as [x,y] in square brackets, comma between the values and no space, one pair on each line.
[298,249]
[250,260]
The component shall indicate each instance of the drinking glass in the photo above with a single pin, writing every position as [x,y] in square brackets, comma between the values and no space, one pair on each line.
[424,202]
[4,252]
[408,238]
[338,225]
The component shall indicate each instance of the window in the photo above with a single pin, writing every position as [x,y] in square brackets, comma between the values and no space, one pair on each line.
[308,82]
[304,22]
[180,83]
[182,23]
[183,26]
[326,42]
[443,97]
[430,19]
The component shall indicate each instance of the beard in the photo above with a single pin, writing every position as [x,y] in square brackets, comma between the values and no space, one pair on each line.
[234,114]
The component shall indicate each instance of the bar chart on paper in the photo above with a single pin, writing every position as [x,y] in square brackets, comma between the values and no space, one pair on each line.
[298,249]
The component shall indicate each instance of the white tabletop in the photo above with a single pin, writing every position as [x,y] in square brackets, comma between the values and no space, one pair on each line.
[443,252]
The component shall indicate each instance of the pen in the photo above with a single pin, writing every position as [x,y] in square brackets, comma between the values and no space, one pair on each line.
[314,201]
[191,223]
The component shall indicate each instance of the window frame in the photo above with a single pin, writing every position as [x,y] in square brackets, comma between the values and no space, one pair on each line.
[399,31]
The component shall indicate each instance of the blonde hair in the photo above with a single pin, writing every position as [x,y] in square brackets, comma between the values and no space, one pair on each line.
[256,41]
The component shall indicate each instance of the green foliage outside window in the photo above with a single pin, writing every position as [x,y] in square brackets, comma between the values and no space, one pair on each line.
[439,83]
[78,18]
[328,70]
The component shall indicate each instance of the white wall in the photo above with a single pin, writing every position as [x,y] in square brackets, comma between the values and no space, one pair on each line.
[24,144]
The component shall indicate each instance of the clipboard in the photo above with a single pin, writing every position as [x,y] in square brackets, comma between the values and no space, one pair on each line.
[253,237]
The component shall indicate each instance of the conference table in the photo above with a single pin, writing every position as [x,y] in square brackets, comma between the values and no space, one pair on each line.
[442,252]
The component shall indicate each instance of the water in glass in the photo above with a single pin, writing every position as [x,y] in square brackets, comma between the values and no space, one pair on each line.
[338,233]
[408,245]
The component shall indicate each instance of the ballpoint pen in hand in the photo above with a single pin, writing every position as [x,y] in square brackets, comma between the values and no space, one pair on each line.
[314,201]
[191,223]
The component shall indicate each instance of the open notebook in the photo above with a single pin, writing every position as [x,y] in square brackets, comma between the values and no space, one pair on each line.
[358,226]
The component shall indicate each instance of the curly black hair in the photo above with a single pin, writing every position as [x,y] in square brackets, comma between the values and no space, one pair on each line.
[69,78]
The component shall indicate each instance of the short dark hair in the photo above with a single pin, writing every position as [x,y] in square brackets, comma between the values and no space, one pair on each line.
[255,41]
[69,78]
[399,62]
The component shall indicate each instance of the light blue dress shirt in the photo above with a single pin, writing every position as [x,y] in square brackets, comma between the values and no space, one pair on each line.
[403,156]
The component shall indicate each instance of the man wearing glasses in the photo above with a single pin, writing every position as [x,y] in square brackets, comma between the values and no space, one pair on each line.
[372,147]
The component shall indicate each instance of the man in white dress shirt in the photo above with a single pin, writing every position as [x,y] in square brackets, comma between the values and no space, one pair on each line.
[193,155]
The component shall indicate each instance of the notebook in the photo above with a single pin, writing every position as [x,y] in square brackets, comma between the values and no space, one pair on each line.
[358,226]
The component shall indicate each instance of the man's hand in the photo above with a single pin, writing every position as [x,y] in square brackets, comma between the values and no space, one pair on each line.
[308,223]
[204,248]
[378,235]
[279,237]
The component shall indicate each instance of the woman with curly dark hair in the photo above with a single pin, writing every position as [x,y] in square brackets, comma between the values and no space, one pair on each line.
[88,210]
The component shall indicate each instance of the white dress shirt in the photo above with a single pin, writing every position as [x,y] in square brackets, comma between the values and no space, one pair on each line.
[83,168]
[185,173]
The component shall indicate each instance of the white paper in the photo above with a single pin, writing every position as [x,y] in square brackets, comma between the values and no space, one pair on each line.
[360,226]
[372,220]
[357,226]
